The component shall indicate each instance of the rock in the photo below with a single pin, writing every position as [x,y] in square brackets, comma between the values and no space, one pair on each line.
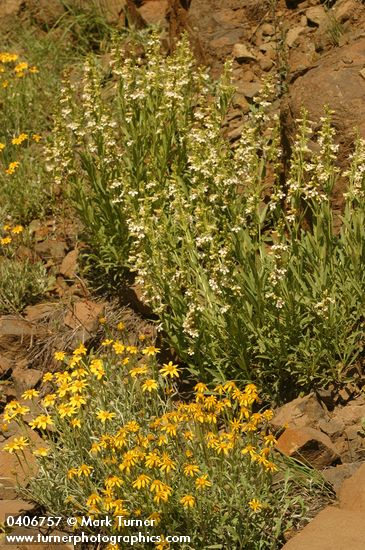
[51,249]
[154,11]
[10,7]
[267,29]
[15,327]
[113,9]
[308,445]
[68,266]
[14,508]
[5,366]
[362,73]
[85,315]
[350,414]
[242,53]
[249,89]
[46,12]
[333,427]
[331,529]
[12,473]
[293,35]
[302,411]
[352,492]
[345,10]
[25,379]
[39,312]
[266,64]
[316,15]
[337,474]
[241,102]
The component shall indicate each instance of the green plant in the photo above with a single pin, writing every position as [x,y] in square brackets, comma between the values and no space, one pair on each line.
[248,276]
[119,442]
[22,282]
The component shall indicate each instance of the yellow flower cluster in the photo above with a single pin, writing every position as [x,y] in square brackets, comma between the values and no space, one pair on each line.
[11,67]
[9,231]
[143,450]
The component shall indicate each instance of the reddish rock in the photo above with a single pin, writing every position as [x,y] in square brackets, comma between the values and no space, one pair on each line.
[303,411]
[14,508]
[5,365]
[332,529]
[308,445]
[39,312]
[25,379]
[352,492]
[51,249]
[154,11]
[338,474]
[15,326]
[68,266]
[85,315]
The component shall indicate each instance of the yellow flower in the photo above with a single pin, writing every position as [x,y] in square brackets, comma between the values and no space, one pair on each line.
[41,422]
[17,229]
[78,386]
[191,470]
[36,137]
[118,348]
[97,369]
[121,326]
[59,355]
[81,350]
[200,387]
[21,67]
[49,400]
[72,472]
[107,342]
[270,440]
[19,140]
[152,459]
[29,394]
[133,350]
[77,400]
[17,444]
[113,481]
[141,481]
[84,470]
[188,501]
[149,385]
[48,377]
[132,426]
[150,350]
[156,517]
[166,464]
[66,410]
[202,482]
[103,416]
[2,146]
[75,423]
[93,499]
[5,240]
[255,505]
[170,369]
[33,69]
[138,370]
[41,451]
[102,320]
[249,449]
[188,435]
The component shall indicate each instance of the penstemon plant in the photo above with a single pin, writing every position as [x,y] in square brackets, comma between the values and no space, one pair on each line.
[248,276]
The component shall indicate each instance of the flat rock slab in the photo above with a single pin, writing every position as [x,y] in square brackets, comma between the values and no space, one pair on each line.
[332,529]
